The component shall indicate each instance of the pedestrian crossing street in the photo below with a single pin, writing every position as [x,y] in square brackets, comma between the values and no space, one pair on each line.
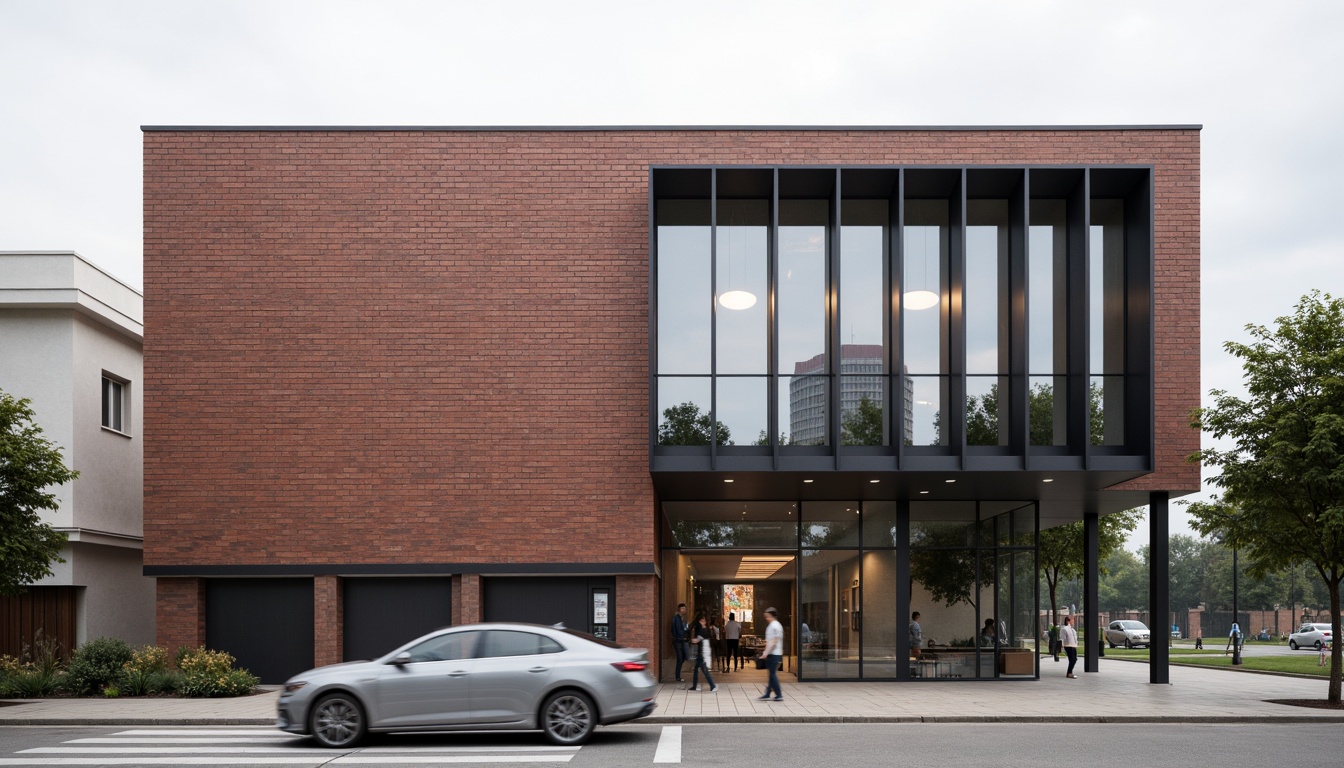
[265,746]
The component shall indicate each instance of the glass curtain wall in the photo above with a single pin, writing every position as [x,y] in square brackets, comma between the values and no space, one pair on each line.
[1048,323]
[924,329]
[1106,322]
[973,580]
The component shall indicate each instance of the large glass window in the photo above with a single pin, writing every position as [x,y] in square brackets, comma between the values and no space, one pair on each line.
[1047,323]
[1106,322]
[741,255]
[924,284]
[685,308]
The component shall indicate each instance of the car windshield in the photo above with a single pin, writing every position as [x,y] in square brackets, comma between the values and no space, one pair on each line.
[1132,625]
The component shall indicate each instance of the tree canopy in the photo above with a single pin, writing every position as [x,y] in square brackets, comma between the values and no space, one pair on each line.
[29,465]
[1061,549]
[1282,474]
[685,425]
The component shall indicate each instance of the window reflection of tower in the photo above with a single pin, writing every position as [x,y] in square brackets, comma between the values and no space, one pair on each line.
[860,377]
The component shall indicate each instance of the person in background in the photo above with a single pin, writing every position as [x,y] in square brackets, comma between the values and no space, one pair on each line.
[679,638]
[732,634]
[773,654]
[916,635]
[716,634]
[988,638]
[700,637]
[1068,639]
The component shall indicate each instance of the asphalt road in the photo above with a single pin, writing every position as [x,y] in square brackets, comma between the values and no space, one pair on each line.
[945,745]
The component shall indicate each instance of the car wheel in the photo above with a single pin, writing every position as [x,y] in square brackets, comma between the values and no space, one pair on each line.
[1111,644]
[568,718]
[337,720]
[1128,644]
[1318,645]
[1292,645]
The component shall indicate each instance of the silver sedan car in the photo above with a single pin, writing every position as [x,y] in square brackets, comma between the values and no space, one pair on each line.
[475,677]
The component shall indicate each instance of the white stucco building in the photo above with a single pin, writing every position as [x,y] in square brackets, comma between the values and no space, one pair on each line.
[71,339]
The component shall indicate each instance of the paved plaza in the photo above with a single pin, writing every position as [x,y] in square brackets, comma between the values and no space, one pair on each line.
[1120,692]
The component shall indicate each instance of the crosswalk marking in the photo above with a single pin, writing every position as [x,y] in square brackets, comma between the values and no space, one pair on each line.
[193,747]
[669,745]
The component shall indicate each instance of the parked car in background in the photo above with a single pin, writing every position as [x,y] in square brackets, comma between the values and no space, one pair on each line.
[1313,635]
[1128,633]
[475,677]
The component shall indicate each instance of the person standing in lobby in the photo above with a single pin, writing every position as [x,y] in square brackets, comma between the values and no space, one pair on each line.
[916,635]
[773,654]
[1068,638]
[679,643]
[732,633]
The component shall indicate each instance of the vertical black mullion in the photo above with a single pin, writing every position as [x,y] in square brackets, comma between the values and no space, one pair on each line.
[898,378]
[903,608]
[772,315]
[955,313]
[1076,222]
[1139,319]
[1085,298]
[1019,381]
[834,339]
[653,314]
[714,318]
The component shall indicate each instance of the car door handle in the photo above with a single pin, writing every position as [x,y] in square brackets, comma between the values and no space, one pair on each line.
[539,669]
[458,673]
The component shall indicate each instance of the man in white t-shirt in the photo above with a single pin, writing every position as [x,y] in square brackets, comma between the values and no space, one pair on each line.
[773,653]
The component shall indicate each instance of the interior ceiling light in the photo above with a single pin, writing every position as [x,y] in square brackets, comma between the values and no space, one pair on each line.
[1048,480]
[916,300]
[922,298]
[761,566]
[923,491]
[727,479]
[949,481]
[809,481]
[737,300]
[874,481]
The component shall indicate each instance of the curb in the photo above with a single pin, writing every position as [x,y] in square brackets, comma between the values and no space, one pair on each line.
[739,719]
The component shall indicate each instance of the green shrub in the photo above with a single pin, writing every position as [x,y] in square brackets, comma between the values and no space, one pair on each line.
[96,665]
[208,673]
[147,673]
[32,682]
[35,673]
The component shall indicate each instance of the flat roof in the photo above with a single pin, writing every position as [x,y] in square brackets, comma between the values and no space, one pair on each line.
[615,128]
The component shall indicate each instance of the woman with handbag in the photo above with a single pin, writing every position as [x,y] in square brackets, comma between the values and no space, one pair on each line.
[700,647]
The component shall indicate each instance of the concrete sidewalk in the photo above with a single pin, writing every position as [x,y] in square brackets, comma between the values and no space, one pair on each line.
[1120,692]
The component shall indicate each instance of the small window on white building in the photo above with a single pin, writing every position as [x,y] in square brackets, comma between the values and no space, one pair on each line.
[114,403]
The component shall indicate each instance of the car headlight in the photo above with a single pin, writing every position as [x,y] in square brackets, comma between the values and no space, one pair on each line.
[295,686]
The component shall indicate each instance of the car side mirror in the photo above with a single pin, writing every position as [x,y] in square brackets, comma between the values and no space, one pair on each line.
[402,659]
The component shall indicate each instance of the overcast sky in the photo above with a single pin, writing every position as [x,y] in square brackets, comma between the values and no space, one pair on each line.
[1265,80]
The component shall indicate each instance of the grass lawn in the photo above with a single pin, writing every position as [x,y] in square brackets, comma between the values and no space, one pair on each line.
[1304,664]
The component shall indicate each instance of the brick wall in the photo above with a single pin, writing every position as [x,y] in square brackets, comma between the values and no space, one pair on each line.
[328,621]
[179,617]
[406,347]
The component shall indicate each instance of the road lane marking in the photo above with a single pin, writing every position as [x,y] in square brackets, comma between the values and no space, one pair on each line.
[669,745]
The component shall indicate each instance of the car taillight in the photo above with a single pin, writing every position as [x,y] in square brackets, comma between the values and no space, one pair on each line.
[630,666]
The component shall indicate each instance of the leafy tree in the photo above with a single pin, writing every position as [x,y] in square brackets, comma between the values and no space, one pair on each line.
[863,425]
[1061,550]
[685,425]
[29,465]
[1124,587]
[945,562]
[1283,476]
[983,417]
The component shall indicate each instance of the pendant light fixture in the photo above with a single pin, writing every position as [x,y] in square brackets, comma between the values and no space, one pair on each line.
[735,299]
[922,298]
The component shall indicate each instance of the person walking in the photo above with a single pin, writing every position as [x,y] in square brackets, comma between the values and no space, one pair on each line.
[773,654]
[720,645]
[1068,639]
[679,643]
[700,635]
[732,634]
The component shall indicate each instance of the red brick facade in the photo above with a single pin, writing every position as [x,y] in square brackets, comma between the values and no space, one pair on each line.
[409,347]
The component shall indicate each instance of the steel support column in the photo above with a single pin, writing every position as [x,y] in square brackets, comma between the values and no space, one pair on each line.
[1159,590]
[1088,628]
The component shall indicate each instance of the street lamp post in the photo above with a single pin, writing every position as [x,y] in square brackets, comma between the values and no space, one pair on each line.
[1236,634]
